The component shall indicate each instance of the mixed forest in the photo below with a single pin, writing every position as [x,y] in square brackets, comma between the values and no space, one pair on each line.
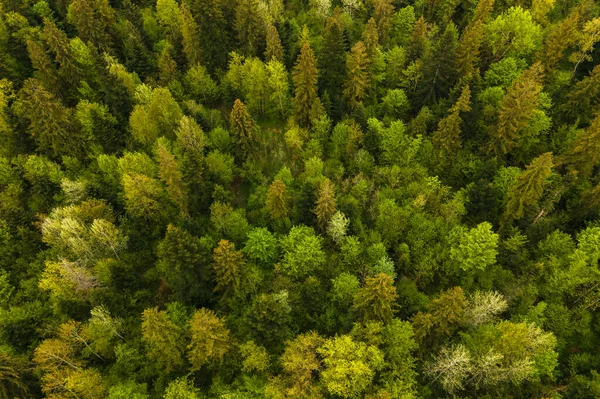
[307,199]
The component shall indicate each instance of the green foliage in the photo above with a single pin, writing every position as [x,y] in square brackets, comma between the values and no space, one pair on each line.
[302,252]
[476,248]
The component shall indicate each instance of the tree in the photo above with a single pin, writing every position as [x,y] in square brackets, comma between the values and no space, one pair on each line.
[561,36]
[332,60]
[447,137]
[182,388]
[302,252]
[209,338]
[299,362]
[529,187]
[182,264]
[157,114]
[242,126]
[261,246]
[584,153]
[170,173]
[190,36]
[513,34]
[383,13]
[586,42]
[249,26]
[228,267]
[95,21]
[326,203]
[517,108]
[305,76]
[467,50]
[50,122]
[476,248]
[376,299]
[45,70]
[163,339]
[357,80]
[274,49]
[349,366]
[278,200]
[451,368]
[210,17]
[337,227]
[445,313]
[256,358]
[278,85]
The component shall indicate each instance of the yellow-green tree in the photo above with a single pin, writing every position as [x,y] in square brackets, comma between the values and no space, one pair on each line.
[305,77]
[376,300]
[326,203]
[517,108]
[210,339]
[447,136]
[357,78]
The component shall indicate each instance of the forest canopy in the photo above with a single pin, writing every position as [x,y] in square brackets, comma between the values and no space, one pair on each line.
[272,199]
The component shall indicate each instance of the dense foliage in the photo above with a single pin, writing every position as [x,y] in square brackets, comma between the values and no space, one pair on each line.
[299,199]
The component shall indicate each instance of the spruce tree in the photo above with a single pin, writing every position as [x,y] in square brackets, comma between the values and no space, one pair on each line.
[274,49]
[242,126]
[228,265]
[326,204]
[518,105]
[190,36]
[305,77]
[278,200]
[447,136]
[332,62]
[357,79]
[249,27]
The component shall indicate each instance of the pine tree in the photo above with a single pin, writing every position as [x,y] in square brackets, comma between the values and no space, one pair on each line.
[326,203]
[274,49]
[209,338]
[529,187]
[227,267]
[377,299]
[249,27]
[357,80]
[278,200]
[305,77]
[518,105]
[242,126]
[447,137]
[190,36]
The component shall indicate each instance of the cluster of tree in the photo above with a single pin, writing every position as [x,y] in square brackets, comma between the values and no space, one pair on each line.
[299,199]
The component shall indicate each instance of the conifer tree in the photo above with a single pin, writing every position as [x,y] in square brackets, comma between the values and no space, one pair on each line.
[561,37]
[278,200]
[439,63]
[383,13]
[332,62]
[305,77]
[518,105]
[242,126]
[95,21]
[167,67]
[529,187]
[50,122]
[59,44]
[584,154]
[227,267]
[213,34]
[274,49]
[447,137]
[326,203]
[377,299]
[190,36]
[583,96]
[357,79]
[43,66]
[249,27]
[467,51]
[170,173]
